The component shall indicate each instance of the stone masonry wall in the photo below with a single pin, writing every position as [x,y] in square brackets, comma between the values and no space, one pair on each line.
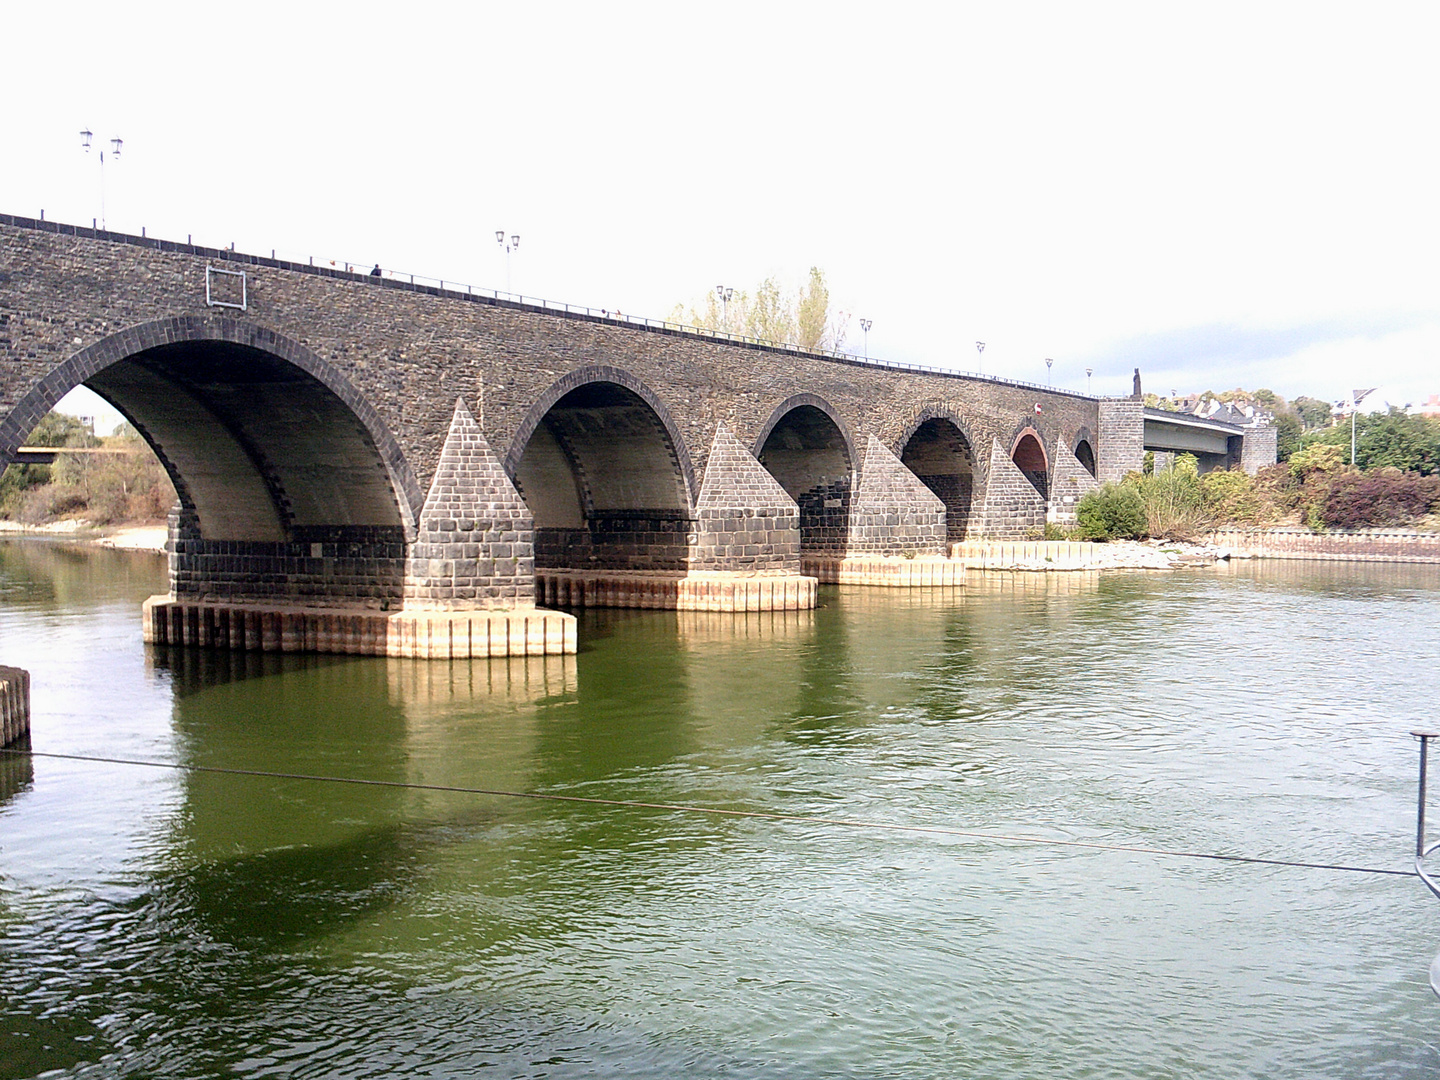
[407,351]
[1069,484]
[1121,441]
[892,511]
[474,546]
[1259,448]
[1012,508]
[1340,545]
[360,566]
[745,521]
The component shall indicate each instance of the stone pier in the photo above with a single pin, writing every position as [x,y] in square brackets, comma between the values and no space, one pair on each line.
[468,590]
[14,705]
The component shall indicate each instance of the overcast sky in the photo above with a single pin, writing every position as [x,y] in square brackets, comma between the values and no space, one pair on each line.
[1220,194]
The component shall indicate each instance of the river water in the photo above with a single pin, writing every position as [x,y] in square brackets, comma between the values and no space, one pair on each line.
[182,923]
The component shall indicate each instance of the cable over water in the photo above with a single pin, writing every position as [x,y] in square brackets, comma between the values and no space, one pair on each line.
[715,811]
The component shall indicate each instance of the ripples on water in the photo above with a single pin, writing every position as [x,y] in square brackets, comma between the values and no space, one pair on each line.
[186,924]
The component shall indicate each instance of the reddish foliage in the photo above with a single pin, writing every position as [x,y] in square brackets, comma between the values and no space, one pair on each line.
[1383,497]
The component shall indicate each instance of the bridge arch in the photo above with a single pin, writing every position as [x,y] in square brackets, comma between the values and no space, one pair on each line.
[600,463]
[1084,450]
[1027,451]
[937,446]
[264,440]
[810,451]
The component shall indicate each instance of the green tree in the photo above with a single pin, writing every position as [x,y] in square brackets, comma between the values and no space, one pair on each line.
[1391,439]
[803,318]
[812,312]
[1314,413]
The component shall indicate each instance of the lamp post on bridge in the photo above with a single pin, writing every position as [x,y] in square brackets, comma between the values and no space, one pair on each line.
[724,293]
[1088,372]
[865,325]
[1049,364]
[511,246]
[979,358]
[116,144]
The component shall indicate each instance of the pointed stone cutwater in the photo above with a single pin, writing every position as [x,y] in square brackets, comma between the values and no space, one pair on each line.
[746,555]
[892,511]
[1069,483]
[469,582]
[470,575]
[896,533]
[475,542]
[1012,507]
[744,550]
[745,521]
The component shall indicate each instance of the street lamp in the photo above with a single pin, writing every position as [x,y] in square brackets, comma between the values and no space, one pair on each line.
[979,357]
[725,294]
[116,144]
[1356,396]
[511,246]
[865,325]
[1088,372]
[1049,364]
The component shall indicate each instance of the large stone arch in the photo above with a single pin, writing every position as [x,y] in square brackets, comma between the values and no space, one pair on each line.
[264,440]
[937,446]
[603,373]
[809,450]
[600,463]
[1027,451]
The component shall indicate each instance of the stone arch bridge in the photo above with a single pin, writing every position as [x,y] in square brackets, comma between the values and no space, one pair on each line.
[369,448]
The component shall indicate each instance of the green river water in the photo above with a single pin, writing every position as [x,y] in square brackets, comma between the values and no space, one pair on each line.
[181,923]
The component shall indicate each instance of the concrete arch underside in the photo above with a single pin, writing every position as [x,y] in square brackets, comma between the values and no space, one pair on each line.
[807,450]
[601,472]
[938,450]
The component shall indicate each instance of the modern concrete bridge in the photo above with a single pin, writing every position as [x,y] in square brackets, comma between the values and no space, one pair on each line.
[414,461]
[1215,443]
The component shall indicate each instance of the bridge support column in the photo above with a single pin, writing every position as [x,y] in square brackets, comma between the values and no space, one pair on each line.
[1070,482]
[1012,508]
[897,534]
[1121,438]
[14,705]
[744,552]
[469,584]
[1259,447]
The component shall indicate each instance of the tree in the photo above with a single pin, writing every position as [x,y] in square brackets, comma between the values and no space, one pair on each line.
[1314,413]
[1391,439]
[804,318]
[1288,428]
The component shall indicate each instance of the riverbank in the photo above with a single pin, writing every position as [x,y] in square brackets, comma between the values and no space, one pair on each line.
[138,536]
[1335,545]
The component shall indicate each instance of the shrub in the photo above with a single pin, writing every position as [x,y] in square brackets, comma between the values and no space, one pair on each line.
[1234,496]
[1173,504]
[1113,512]
[1380,498]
